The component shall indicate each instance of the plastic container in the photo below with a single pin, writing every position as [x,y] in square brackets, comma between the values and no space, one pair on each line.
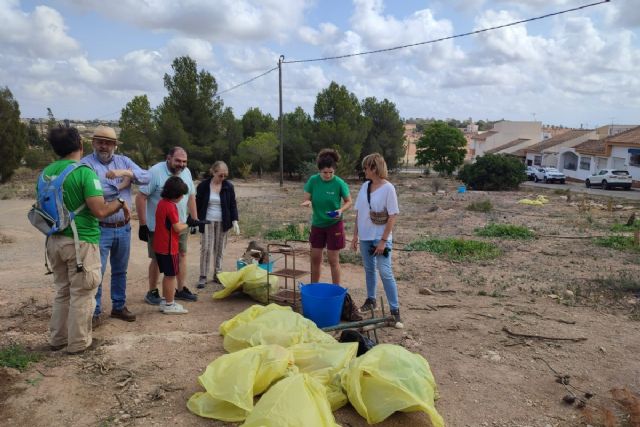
[462,189]
[322,303]
[268,267]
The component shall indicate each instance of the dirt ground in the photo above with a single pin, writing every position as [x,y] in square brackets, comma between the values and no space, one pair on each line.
[146,370]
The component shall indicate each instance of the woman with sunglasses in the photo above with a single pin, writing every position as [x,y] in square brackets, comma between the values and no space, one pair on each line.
[216,202]
[325,192]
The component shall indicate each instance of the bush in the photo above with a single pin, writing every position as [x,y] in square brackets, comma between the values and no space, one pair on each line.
[480,206]
[457,249]
[15,356]
[493,172]
[290,232]
[620,243]
[506,231]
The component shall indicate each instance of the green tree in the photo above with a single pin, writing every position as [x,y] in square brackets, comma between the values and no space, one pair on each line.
[441,147]
[339,121]
[261,151]
[494,172]
[139,132]
[254,121]
[51,120]
[38,153]
[13,135]
[230,136]
[298,134]
[386,135]
[192,101]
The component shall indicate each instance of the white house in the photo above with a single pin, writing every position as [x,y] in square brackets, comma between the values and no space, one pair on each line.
[545,153]
[505,132]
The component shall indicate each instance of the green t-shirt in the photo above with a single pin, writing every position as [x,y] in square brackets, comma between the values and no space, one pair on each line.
[81,184]
[326,196]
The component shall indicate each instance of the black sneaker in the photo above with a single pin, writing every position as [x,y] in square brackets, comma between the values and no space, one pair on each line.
[186,295]
[396,317]
[153,297]
[202,282]
[369,304]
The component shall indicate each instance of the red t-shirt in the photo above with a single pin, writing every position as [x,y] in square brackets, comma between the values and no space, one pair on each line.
[165,238]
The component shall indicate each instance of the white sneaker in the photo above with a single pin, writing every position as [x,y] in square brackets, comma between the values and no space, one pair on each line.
[174,308]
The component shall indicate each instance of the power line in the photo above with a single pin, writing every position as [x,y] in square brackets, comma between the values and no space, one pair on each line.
[327,58]
[248,81]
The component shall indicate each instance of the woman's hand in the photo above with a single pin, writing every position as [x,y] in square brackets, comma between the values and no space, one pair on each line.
[354,243]
[380,248]
[306,203]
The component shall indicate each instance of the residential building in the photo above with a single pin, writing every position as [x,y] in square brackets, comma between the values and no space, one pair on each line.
[505,133]
[545,153]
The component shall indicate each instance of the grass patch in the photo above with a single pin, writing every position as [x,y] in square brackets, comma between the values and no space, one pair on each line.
[15,356]
[457,249]
[350,257]
[480,206]
[620,243]
[289,232]
[621,283]
[624,227]
[505,231]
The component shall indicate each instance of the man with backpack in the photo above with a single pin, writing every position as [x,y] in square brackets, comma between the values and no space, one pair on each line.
[116,172]
[70,201]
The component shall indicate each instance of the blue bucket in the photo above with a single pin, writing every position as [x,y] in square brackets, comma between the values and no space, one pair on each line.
[322,303]
[269,267]
[462,189]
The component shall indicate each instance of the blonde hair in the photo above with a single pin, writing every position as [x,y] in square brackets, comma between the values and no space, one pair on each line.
[217,165]
[375,162]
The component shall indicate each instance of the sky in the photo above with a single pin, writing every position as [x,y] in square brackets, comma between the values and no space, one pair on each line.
[85,59]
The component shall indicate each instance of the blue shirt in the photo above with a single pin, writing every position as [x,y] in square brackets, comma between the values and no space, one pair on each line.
[110,186]
[159,175]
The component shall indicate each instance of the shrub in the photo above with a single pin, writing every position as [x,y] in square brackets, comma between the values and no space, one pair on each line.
[438,184]
[507,231]
[15,356]
[480,206]
[457,249]
[245,170]
[621,243]
[493,172]
[289,232]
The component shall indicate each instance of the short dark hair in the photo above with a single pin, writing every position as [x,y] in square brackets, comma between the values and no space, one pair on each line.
[173,188]
[64,140]
[173,150]
[327,158]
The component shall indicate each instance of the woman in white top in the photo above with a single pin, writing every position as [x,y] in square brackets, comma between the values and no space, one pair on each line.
[216,202]
[376,213]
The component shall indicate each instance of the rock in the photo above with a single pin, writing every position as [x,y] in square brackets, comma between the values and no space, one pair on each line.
[568,293]
[433,208]
[553,296]
[125,416]
[425,291]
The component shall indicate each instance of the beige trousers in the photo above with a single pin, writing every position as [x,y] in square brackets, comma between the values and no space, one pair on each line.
[74,301]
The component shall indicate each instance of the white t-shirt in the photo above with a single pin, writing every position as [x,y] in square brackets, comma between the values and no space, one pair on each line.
[214,208]
[381,198]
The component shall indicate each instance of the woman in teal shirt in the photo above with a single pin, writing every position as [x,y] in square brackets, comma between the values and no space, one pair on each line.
[325,192]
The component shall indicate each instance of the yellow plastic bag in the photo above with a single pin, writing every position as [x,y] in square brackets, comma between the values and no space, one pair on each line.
[296,401]
[248,315]
[538,201]
[253,281]
[389,378]
[325,362]
[272,325]
[232,380]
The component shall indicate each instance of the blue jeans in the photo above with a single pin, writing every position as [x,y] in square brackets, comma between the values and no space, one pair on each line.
[383,265]
[117,242]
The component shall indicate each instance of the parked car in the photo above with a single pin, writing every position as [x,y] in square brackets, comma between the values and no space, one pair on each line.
[549,175]
[609,178]
[531,172]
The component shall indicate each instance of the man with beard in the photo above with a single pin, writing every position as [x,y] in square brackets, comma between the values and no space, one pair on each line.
[116,172]
[146,205]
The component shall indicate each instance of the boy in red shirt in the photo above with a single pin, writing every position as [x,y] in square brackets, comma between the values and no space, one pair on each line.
[166,241]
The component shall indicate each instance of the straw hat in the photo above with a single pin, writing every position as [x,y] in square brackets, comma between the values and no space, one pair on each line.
[106,133]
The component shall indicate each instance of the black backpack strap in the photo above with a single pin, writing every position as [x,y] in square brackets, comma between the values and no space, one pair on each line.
[369,182]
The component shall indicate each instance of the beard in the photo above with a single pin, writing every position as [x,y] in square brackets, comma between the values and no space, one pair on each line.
[104,156]
[175,170]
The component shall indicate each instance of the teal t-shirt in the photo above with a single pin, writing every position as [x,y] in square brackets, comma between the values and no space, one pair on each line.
[326,196]
[80,184]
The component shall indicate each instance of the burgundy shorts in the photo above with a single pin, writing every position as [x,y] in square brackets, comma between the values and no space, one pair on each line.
[332,237]
[168,264]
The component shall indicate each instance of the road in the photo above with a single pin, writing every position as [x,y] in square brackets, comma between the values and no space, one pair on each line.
[633,194]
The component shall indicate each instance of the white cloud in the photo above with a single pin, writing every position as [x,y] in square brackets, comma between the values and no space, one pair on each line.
[214,20]
[327,33]
[41,33]
[200,50]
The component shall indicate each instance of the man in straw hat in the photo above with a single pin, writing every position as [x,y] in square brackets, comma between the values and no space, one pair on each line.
[116,172]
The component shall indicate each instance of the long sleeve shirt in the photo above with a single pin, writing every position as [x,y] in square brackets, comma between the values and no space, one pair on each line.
[110,186]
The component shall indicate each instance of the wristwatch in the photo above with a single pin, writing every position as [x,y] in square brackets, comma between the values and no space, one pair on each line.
[121,200]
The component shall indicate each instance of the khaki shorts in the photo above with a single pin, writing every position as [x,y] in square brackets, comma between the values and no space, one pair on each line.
[182,244]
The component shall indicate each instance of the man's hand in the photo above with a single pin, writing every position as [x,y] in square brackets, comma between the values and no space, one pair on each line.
[115,173]
[126,211]
[306,203]
[236,228]
[143,233]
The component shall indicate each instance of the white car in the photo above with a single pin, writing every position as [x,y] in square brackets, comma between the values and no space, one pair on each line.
[609,178]
[549,175]
[531,172]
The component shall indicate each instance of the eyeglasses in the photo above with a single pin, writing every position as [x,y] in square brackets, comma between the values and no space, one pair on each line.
[221,175]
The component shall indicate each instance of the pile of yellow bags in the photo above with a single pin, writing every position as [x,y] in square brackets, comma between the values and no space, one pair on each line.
[302,374]
[253,281]
[538,201]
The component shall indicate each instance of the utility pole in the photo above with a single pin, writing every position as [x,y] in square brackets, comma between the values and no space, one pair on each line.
[281,121]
